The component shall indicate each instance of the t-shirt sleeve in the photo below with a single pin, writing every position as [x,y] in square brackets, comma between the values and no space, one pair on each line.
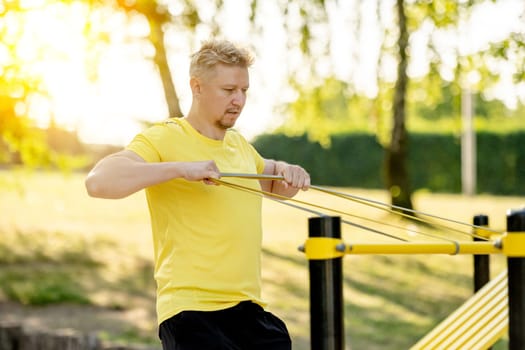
[259,160]
[143,146]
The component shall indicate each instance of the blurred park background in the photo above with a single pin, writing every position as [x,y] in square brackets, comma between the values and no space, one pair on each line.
[419,104]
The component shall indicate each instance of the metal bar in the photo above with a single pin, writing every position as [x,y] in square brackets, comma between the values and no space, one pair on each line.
[516,268]
[326,290]
[481,261]
[423,248]
[253,176]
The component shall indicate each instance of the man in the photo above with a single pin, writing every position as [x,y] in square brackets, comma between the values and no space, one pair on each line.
[207,239]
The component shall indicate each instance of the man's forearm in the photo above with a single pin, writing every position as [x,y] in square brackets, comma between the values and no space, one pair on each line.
[118,177]
[124,173]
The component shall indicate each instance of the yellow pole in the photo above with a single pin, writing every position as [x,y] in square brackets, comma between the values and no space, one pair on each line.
[423,248]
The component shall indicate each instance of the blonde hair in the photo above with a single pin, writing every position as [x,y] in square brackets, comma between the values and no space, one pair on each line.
[214,52]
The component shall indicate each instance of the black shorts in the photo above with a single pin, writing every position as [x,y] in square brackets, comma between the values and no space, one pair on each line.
[245,326]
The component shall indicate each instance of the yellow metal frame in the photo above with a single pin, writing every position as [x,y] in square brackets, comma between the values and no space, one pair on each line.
[510,244]
[322,248]
[477,324]
[482,320]
[513,244]
[452,248]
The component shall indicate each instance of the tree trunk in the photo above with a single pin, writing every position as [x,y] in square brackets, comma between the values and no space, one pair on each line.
[397,178]
[161,61]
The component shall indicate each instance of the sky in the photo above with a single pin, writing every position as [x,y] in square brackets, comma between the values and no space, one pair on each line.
[127,87]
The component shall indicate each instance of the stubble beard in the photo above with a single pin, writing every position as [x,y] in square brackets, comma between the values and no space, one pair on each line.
[227,121]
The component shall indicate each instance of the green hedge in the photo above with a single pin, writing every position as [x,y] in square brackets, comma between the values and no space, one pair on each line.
[356,160]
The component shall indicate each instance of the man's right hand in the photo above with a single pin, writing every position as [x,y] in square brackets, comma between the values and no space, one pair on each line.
[202,170]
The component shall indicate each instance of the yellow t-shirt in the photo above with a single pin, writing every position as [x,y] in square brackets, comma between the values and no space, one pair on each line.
[206,238]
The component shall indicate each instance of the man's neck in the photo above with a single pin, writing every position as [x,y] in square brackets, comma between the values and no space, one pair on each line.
[204,127]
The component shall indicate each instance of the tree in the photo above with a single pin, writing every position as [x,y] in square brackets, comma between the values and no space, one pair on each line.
[396,157]
[158,16]
[413,18]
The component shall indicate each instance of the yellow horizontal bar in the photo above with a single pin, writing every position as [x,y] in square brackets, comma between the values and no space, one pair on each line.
[322,248]
[423,248]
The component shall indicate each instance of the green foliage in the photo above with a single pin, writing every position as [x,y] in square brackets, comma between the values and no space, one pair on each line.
[351,160]
[510,49]
[330,108]
[42,287]
[16,86]
[21,81]
[45,268]
[47,248]
[356,160]
[333,108]
[441,13]
[310,115]
[435,162]
[500,163]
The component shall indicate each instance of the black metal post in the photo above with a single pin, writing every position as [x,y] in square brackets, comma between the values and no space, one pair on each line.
[481,262]
[326,290]
[516,288]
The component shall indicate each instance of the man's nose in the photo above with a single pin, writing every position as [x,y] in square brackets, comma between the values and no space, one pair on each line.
[239,97]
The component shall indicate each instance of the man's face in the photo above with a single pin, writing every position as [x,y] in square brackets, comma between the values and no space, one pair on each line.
[223,94]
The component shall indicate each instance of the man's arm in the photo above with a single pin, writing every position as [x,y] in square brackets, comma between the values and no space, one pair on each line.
[123,173]
[295,178]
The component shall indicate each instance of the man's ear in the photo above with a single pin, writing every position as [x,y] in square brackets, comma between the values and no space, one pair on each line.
[195,86]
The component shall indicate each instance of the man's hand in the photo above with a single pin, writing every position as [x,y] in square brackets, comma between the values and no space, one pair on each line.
[202,170]
[294,176]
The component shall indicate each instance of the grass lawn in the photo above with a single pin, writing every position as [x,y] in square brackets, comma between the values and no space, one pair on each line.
[67,260]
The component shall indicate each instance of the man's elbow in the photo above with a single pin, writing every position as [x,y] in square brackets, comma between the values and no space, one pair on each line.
[98,189]
[93,188]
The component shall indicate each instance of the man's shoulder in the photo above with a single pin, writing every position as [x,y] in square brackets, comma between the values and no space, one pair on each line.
[171,122]
[234,134]
[163,127]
